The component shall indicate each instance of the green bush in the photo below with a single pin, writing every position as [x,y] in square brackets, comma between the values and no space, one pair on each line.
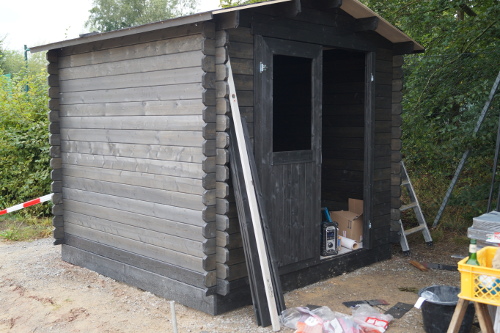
[445,91]
[24,146]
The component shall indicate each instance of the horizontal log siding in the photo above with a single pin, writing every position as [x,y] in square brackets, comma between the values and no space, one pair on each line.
[53,58]
[209,134]
[137,147]
[380,231]
[396,144]
[238,44]
[343,128]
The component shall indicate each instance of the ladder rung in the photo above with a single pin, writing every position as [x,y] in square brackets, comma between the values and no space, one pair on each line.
[422,227]
[406,207]
[414,230]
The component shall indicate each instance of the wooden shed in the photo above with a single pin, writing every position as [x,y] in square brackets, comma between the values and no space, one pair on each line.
[139,143]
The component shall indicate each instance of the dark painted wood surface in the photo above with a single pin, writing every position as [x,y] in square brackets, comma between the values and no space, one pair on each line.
[343,127]
[290,188]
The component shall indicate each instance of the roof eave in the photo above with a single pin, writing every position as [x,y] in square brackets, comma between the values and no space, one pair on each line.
[191,19]
[353,7]
[358,10]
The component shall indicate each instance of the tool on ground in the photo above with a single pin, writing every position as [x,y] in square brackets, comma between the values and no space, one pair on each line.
[399,310]
[372,302]
[415,205]
[419,265]
[440,266]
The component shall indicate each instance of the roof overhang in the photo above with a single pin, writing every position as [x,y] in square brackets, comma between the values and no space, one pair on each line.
[359,11]
[89,38]
[352,7]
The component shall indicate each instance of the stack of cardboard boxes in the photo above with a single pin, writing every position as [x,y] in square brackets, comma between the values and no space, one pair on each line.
[350,222]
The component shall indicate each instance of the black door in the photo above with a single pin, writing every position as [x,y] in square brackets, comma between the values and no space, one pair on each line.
[288,145]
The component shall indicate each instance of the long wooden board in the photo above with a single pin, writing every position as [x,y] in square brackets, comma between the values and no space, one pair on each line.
[129,52]
[140,65]
[151,166]
[143,108]
[167,183]
[266,267]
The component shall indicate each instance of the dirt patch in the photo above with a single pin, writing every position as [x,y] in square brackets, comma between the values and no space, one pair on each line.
[41,293]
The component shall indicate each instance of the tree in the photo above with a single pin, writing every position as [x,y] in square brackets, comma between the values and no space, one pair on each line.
[232,3]
[24,145]
[446,87]
[13,62]
[108,15]
[445,91]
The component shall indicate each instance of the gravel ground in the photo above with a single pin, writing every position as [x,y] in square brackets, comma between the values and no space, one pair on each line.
[41,293]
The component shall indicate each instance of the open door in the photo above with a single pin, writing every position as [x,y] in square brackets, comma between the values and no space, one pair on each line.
[288,146]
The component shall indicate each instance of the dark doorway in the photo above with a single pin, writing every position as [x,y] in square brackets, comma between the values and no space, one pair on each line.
[343,127]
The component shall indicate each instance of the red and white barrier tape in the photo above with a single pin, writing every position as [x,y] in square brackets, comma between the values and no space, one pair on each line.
[47,197]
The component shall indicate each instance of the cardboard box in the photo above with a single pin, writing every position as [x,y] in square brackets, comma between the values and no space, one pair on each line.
[350,222]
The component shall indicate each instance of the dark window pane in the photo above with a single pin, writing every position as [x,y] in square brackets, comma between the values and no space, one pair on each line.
[292,104]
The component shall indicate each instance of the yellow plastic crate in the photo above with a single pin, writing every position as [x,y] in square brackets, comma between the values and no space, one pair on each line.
[480,283]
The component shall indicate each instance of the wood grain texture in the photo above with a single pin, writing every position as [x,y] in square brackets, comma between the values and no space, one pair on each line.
[141,248]
[173,213]
[154,195]
[169,168]
[168,138]
[136,94]
[186,231]
[200,280]
[143,108]
[139,234]
[138,151]
[155,283]
[129,80]
[136,65]
[149,123]
[158,35]
[135,51]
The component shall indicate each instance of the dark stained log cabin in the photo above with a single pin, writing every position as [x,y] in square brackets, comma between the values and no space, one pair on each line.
[139,143]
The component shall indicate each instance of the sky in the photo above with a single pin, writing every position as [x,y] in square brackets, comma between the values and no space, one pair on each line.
[37,22]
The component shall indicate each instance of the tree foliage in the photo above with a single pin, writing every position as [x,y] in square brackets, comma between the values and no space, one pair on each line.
[24,147]
[108,15]
[232,3]
[445,91]
[14,62]
[447,86]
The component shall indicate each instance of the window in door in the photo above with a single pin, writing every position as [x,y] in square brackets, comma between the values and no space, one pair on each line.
[292,106]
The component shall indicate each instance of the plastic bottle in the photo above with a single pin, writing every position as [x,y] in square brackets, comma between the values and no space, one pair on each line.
[472,254]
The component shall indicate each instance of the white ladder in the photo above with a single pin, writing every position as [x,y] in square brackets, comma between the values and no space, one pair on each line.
[422,224]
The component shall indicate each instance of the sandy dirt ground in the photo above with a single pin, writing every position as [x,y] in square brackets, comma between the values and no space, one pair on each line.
[41,293]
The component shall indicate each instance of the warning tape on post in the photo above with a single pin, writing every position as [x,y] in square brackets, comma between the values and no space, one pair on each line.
[36,201]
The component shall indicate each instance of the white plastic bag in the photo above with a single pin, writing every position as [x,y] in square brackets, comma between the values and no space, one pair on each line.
[302,319]
[319,320]
[370,319]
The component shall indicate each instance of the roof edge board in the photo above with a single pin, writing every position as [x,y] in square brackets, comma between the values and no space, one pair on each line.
[352,7]
[252,5]
[359,10]
[195,18]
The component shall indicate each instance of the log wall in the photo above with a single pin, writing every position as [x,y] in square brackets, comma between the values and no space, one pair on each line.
[133,136]
[237,44]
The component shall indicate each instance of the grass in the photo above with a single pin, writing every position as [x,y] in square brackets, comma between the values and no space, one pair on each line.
[469,200]
[21,228]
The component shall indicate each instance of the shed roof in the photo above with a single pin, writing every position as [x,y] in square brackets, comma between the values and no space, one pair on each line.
[352,7]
